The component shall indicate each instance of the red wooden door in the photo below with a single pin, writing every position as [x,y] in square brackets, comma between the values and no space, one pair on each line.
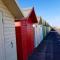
[24,40]
[18,43]
[30,39]
[21,41]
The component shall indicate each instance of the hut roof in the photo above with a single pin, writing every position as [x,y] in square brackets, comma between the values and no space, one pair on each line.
[13,8]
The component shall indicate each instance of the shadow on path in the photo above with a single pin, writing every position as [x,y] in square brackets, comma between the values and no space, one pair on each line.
[49,48]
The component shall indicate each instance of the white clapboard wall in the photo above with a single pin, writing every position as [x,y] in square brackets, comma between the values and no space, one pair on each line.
[9,38]
[7,34]
[1,39]
[38,35]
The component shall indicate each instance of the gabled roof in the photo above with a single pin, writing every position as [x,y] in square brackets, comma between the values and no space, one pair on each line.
[40,22]
[13,8]
[26,11]
[43,22]
[32,16]
[38,18]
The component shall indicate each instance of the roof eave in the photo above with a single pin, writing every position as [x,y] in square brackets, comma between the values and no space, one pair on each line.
[13,8]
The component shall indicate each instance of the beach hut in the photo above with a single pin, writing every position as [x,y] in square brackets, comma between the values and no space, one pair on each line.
[48,28]
[25,35]
[38,35]
[38,32]
[9,12]
[44,28]
[43,23]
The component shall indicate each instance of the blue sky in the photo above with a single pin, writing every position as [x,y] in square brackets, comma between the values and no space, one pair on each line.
[48,9]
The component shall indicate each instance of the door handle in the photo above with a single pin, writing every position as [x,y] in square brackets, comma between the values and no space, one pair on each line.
[11,44]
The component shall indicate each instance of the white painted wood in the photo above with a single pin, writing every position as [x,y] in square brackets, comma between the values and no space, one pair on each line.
[10,41]
[1,39]
[7,34]
[38,35]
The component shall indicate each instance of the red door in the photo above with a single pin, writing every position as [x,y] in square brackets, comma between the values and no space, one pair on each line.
[18,43]
[30,39]
[21,41]
[24,40]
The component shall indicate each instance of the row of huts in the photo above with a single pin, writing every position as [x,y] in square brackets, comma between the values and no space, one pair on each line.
[29,33]
[19,33]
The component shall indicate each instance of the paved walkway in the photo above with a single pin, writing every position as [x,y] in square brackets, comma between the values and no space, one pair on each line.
[49,49]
